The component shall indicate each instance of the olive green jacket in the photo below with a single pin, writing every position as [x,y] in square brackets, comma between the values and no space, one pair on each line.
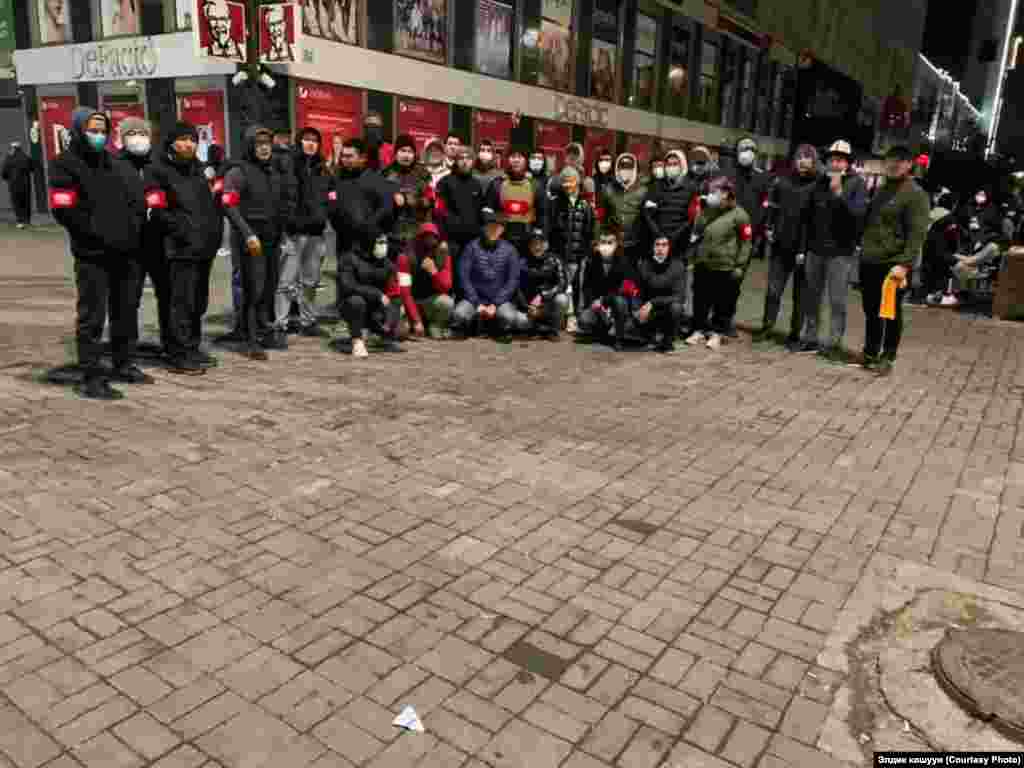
[726,240]
[896,224]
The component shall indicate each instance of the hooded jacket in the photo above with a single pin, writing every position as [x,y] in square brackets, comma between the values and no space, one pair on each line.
[986,217]
[254,197]
[366,276]
[752,186]
[283,158]
[787,199]
[462,196]
[362,208]
[831,225]
[415,284]
[313,186]
[91,197]
[662,284]
[625,206]
[667,207]
[602,180]
[438,173]
[574,228]
[588,189]
[18,167]
[414,184]
[603,281]
[181,208]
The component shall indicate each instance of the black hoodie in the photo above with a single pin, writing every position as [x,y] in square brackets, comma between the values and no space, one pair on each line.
[254,193]
[182,208]
[787,199]
[601,281]
[313,186]
[362,208]
[92,199]
[463,196]
[662,284]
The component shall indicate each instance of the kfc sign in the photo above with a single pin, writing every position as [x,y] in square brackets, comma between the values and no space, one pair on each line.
[571,110]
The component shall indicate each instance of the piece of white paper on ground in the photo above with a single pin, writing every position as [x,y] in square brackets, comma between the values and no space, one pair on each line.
[409,720]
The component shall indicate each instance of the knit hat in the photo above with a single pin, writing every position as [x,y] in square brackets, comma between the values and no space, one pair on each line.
[181,130]
[488,216]
[700,154]
[405,141]
[134,125]
[746,144]
[518,149]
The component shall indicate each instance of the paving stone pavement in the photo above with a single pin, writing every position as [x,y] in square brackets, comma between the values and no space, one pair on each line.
[559,556]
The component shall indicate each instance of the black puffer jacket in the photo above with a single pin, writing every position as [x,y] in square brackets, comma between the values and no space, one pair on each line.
[572,228]
[313,187]
[544,277]
[662,284]
[366,277]
[255,192]
[667,208]
[600,283]
[751,194]
[788,196]
[92,198]
[181,208]
[362,209]
[463,196]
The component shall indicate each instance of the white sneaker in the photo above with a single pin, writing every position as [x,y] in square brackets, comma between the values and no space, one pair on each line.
[949,300]
[359,348]
[20,225]
[714,341]
[570,325]
[696,338]
[934,298]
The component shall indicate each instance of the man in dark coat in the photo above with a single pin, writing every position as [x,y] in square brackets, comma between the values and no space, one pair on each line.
[17,172]
[92,197]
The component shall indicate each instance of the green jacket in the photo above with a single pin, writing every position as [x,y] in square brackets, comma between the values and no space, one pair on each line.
[727,238]
[624,208]
[896,225]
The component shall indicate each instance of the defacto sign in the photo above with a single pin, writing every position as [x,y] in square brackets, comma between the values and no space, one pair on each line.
[580,112]
[113,61]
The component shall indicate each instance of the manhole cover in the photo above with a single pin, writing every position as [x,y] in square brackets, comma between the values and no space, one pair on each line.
[983,670]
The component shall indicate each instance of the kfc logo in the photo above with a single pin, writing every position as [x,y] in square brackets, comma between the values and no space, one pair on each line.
[278,33]
[221,33]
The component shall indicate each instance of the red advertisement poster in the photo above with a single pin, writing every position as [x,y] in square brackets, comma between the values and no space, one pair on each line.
[279,31]
[551,139]
[594,142]
[117,113]
[495,127]
[643,148]
[205,110]
[423,120]
[335,111]
[55,123]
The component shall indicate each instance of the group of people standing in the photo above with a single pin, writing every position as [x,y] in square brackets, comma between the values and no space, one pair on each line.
[448,244]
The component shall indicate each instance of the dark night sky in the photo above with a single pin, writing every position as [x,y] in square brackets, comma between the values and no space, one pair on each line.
[947,36]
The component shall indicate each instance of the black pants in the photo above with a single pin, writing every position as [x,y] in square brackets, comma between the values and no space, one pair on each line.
[455,249]
[360,314]
[783,265]
[598,324]
[881,337]
[154,266]
[665,318]
[21,200]
[106,287]
[189,299]
[257,312]
[715,293]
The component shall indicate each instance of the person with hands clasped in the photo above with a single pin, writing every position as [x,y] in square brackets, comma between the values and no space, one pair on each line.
[542,287]
[662,282]
[608,288]
[724,241]
[425,282]
[369,296]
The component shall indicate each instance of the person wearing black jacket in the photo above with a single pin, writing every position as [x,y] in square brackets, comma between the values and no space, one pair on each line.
[300,272]
[786,201]
[609,286]
[752,191]
[463,198]
[662,283]
[667,208]
[254,203]
[184,213]
[574,229]
[542,287]
[93,198]
[369,295]
[17,172]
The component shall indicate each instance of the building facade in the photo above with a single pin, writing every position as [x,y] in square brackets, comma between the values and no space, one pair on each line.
[642,75]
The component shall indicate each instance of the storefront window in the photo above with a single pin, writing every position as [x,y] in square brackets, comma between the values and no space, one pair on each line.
[727,116]
[421,28]
[678,67]
[784,98]
[557,52]
[53,18]
[604,50]
[765,103]
[705,106]
[747,93]
[644,62]
[494,25]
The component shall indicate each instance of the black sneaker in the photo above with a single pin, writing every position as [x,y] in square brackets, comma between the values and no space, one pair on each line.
[793,345]
[185,366]
[311,331]
[666,347]
[275,340]
[808,348]
[387,345]
[204,360]
[834,355]
[131,374]
[98,389]
[237,336]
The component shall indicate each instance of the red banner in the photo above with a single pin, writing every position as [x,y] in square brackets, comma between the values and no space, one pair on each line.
[643,148]
[205,110]
[117,113]
[595,141]
[423,120]
[551,139]
[55,123]
[335,111]
[495,127]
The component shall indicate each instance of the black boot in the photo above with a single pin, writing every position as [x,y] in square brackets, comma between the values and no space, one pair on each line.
[98,388]
[130,373]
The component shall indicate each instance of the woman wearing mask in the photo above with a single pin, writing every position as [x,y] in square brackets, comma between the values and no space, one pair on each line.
[370,296]
[723,235]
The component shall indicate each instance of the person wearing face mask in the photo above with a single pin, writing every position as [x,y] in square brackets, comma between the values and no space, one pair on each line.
[574,158]
[490,273]
[253,201]
[657,172]
[379,153]
[542,288]
[787,200]
[609,285]
[182,210]
[436,161]
[92,197]
[414,195]
[724,236]
[830,227]
[462,196]
[486,170]
[17,172]
[369,296]
[752,186]
[604,173]
[425,282]
[662,283]
[667,207]
[517,198]
[538,170]
[624,202]
[574,230]
[980,222]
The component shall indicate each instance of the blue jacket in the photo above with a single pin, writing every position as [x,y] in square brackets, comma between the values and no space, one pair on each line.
[489,275]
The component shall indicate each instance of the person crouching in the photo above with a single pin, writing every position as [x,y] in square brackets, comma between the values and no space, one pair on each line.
[542,292]
[369,297]
[608,288]
[725,237]
[662,283]
[425,283]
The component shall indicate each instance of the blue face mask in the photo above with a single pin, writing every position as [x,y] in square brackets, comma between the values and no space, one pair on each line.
[97,141]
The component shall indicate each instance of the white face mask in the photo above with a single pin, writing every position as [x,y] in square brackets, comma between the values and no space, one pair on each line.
[980,199]
[660,258]
[606,250]
[604,166]
[137,145]
[627,177]
[746,158]
[673,171]
[659,172]
[380,250]
[714,200]
[536,166]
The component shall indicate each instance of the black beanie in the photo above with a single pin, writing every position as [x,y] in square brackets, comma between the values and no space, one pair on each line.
[405,141]
[182,129]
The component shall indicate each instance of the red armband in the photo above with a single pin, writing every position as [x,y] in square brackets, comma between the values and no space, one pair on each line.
[230,199]
[156,198]
[332,196]
[629,289]
[63,198]
[218,186]
[746,233]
